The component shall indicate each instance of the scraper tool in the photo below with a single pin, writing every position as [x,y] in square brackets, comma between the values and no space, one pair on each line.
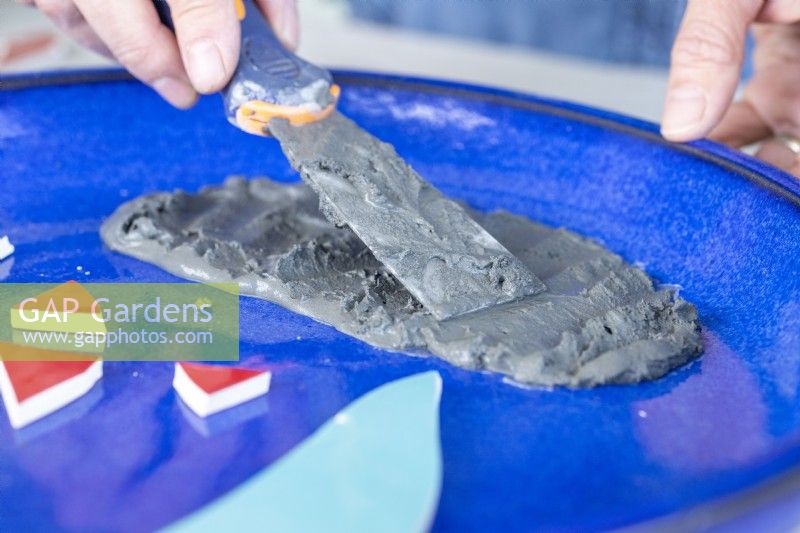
[269,80]
[441,255]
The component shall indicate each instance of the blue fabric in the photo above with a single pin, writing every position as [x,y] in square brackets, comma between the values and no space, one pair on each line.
[623,31]
[635,32]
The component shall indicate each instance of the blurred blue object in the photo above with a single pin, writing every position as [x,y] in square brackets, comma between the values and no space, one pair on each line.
[622,31]
[635,32]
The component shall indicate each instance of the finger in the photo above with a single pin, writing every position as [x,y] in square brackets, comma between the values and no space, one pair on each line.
[283,17]
[145,47]
[62,12]
[777,154]
[780,11]
[208,37]
[87,37]
[775,88]
[705,65]
[741,125]
[795,169]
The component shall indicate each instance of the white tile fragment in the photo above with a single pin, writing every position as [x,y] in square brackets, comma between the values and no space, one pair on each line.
[6,248]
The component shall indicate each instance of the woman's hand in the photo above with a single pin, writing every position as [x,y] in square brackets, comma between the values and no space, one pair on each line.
[199,58]
[706,65]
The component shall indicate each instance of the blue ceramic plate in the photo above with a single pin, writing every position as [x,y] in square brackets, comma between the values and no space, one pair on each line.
[723,227]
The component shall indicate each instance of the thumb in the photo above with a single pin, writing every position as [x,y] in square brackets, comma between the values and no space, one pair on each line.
[705,66]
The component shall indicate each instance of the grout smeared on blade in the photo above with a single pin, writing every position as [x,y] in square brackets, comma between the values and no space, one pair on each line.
[441,255]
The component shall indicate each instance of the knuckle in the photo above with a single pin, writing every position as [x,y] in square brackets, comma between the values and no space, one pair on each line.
[197,10]
[62,12]
[54,9]
[84,34]
[706,43]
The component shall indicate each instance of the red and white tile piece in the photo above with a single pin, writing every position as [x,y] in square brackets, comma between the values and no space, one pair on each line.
[32,389]
[209,389]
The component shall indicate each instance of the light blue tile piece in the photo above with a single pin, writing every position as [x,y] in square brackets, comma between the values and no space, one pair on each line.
[375,466]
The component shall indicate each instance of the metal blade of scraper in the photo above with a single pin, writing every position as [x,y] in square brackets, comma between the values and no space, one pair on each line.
[442,256]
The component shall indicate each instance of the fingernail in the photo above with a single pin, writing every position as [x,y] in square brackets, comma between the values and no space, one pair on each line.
[176,92]
[204,66]
[683,110]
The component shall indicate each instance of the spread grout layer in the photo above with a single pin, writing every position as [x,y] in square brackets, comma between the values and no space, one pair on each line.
[599,321]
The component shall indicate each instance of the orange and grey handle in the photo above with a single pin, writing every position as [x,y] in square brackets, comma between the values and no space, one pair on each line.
[270,81]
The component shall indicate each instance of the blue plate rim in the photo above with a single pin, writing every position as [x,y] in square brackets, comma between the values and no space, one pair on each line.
[752,169]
